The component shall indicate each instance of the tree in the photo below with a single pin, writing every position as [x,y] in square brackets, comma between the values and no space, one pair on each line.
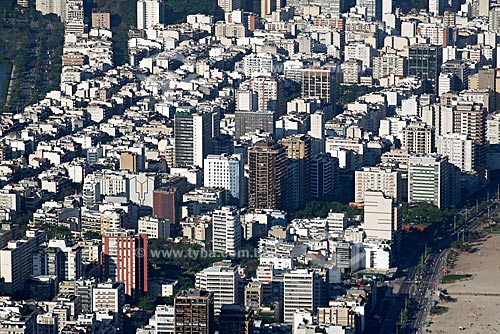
[146,303]
[92,235]
[320,209]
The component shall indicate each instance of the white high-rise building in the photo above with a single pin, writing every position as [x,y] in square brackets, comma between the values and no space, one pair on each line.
[226,230]
[16,261]
[229,5]
[111,183]
[71,260]
[193,133]
[110,297]
[429,180]
[255,64]
[164,319]
[46,323]
[359,51]
[460,150]
[436,7]
[149,13]
[300,291]
[141,187]
[446,83]
[57,7]
[493,128]
[418,137]
[221,280]
[226,171]
[386,180]
[154,228]
[373,9]
[387,7]
[382,216]
[318,125]
[337,222]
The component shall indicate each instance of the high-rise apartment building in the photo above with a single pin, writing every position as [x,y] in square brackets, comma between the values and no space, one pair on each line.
[436,7]
[236,319]
[381,179]
[270,92]
[267,7]
[57,7]
[418,137]
[429,180]
[47,323]
[16,261]
[167,204]
[194,312]
[256,64]
[359,51]
[424,62]
[226,230]
[101,18]
[299,147]
[323,179]
[386,65]
[318,83]
[192,137]
[336,222]
[149,13]
[460,71]
[110,297]
[221,280]
[226,171]
[493,128]
[373,9]
[470,118]
[382,216]
[25,3]
[301,290]
[153,227]
[460,150]
[125,259]
[266,172]
[66,260]
[129,161]
[248,122]
[494,19]
[229,5]
[164,319]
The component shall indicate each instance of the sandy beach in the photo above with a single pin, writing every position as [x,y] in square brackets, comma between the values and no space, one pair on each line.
[477,305]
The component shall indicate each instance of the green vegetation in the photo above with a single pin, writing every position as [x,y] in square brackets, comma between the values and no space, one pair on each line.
[146,303]
[350,93]
[32,45]
[412,5]
[267,319]
[57,232]
[92,235]
[492,229]
[438,310]
[320,209]
[452,278]
[178,258]
[424,214]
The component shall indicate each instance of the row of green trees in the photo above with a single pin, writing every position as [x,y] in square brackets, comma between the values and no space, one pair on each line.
[32,43]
